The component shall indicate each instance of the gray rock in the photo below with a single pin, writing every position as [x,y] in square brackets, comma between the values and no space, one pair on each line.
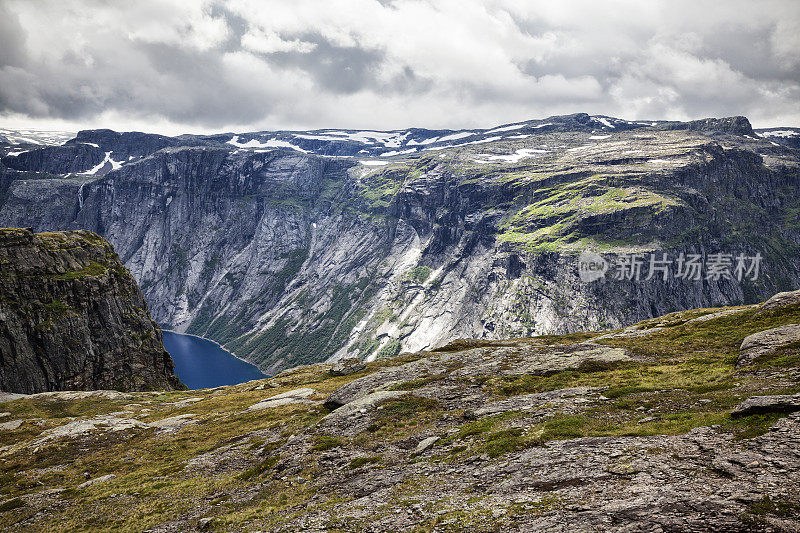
[716,315]
[10,425]
[347,366]
[767,404]
[97,424]
[101,479]
[352,417]
[782,299]
[285,398]
[425,444]
[173,423]
[10,396]
[766,342]
[524,402]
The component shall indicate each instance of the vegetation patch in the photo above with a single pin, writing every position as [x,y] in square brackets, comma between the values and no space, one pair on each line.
[358,462]
[419,274]
[324,443]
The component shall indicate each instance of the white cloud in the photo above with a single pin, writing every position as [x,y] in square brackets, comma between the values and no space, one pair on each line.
[252,64]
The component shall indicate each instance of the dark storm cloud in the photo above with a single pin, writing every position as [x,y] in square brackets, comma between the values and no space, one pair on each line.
[363,63]
[340,69]
[12,38]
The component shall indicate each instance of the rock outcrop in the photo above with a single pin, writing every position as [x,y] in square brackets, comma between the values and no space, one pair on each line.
[72,318]
[759,405]
[767,342]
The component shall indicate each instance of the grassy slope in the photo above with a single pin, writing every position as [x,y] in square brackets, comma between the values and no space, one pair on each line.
[685,377]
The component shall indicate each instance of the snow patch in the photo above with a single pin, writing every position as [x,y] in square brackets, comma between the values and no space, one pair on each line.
[99,166]
[522,153]
[371,163]
[432,140]
[507,128]
[456,136]
[271,143]
[603,121]
[779,133]
[400,152]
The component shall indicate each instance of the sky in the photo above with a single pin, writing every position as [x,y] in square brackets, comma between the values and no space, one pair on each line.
[182,66]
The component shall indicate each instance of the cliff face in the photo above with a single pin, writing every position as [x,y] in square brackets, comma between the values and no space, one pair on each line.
[72,318]
[407,240]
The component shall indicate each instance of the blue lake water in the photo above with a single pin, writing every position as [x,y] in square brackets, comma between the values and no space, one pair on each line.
[201,364]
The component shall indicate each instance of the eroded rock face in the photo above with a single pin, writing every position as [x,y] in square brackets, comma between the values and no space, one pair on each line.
[72,318]
[766,342]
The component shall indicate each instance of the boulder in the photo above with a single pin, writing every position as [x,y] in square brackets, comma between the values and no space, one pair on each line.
[10,425]
[173,423]
[425,444]
[101,479]
[782,299]
[347,366]
[786,403]
[363,405]
[285,398]
[766,342]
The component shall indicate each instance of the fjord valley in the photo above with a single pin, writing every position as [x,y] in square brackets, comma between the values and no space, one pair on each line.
[298,247]
[438,355]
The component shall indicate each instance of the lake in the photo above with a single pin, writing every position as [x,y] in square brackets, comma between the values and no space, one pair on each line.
[201,364]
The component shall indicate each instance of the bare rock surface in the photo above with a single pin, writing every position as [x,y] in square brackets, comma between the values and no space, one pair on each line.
[347,366]
[101,479]
[768,404]
[766,342]
[284,398]
[782,299]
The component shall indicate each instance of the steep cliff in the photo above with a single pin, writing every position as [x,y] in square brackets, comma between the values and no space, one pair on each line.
[72,318]
[297,247]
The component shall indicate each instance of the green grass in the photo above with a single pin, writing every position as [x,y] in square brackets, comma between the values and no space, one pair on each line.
[324,443]
[390,349]
[94,268]
[419,273]
[358,462]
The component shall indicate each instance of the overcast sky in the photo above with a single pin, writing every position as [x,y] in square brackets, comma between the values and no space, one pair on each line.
[179,66]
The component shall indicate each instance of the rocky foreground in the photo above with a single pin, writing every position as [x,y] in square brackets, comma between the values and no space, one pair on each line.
[72,317]
[689,422]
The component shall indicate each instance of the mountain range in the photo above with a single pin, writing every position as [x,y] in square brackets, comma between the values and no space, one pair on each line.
[295,247]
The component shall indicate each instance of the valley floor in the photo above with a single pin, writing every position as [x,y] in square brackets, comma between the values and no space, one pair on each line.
[653,428]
